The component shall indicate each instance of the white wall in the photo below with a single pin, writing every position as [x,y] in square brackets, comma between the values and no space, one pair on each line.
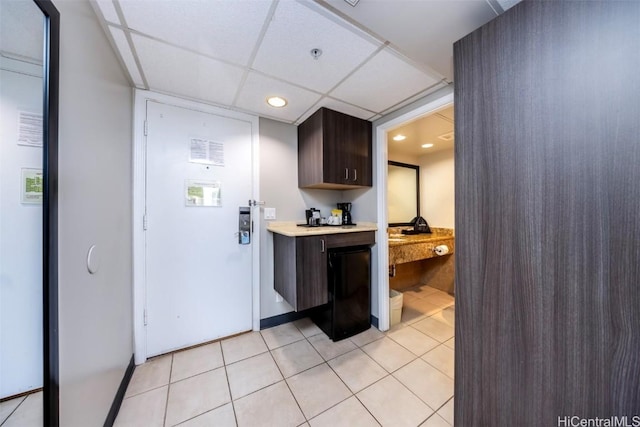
[20,235]
[437,189]
[94,208]
[279,189]
[404,158]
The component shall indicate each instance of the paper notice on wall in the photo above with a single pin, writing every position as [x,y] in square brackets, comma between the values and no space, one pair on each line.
[202,193]
[30,129]
[206,152]
[32,183]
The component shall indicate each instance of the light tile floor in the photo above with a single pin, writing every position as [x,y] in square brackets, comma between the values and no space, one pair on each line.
[293,375]
[23,411]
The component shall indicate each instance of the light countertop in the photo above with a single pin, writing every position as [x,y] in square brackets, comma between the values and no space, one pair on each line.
[291,229]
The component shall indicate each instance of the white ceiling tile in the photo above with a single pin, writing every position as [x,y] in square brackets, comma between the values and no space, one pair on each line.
[423,30]
[108,11]
[382,82]
[226,30]
[296,29]
[127,56]
[417,96]
[257,88]
[508,4]
[181,72]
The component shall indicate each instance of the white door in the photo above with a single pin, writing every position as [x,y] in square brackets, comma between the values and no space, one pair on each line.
[198,276]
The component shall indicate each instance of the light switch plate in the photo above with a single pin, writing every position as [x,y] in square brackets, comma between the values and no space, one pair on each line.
[269,213]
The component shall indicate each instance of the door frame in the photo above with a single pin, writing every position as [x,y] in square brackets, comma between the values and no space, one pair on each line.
[138,181]
[421,108]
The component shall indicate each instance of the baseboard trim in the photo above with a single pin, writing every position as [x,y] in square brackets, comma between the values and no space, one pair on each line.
[119,397]
[270,322]
[374,321]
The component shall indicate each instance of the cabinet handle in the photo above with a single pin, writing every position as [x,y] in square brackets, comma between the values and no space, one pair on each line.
[322,245]
[346,174]
[355,174]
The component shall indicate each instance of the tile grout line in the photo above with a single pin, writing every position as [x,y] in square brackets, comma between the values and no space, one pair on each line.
[14,410]
[287,383]
[226,375]
[166,403]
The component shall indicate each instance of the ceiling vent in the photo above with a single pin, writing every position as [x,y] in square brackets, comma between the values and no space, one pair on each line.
[352,2]
[446,136]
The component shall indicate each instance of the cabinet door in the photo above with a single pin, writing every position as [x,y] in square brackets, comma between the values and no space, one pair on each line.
[347,149]
[337,129]
[359,152]
[311,272]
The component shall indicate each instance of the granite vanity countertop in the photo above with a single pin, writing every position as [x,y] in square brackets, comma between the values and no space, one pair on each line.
[413,247]
[291,229]
[411,239]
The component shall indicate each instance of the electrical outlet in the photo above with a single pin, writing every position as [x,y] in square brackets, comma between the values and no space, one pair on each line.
[269,213]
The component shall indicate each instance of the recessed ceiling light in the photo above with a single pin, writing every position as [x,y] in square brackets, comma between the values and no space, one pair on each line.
[276,101]
[427,145]
[399,137]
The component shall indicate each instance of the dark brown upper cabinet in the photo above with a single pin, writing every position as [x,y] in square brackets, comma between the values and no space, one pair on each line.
[334,151]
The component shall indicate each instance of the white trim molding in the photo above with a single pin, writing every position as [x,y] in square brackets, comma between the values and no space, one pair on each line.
[420,108]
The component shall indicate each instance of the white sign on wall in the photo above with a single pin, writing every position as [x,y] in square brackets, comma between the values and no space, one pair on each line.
[206,152]
[30,129]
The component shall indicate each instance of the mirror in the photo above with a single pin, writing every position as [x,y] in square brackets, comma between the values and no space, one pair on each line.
[403,193]
[29,46]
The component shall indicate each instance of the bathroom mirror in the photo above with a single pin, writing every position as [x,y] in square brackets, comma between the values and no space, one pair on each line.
[403,193]
[29,51]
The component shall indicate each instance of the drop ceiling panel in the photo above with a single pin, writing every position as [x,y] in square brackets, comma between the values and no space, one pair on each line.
[257,88]
[226,30]
[422,30]
[177,71]
[127,56]
[382,82]
[508,4]
[108,11]
[294,31]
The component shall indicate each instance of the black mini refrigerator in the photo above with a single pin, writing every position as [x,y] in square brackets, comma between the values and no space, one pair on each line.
[348,311]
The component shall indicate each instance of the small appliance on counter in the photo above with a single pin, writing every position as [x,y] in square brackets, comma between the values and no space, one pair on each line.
[346,213]
[313,217]
[339,217]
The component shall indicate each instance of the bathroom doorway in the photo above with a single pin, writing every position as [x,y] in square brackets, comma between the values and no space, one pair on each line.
[417,282]
[431,104]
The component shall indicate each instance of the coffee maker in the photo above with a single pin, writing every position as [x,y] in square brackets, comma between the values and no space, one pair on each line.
[346,213]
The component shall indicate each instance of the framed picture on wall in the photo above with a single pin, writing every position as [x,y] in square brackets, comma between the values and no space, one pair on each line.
[31,185]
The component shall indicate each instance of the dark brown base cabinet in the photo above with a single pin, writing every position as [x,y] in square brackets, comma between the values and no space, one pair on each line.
[547,159]
[334,151]
[300,265]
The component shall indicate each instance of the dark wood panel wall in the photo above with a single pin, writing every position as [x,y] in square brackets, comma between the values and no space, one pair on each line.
[547,105]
